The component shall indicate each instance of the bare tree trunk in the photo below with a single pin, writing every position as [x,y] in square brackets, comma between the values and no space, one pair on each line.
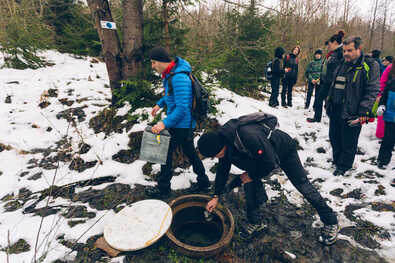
[384,24]
[165,18]
[132,55]
[111,47]
[373,24]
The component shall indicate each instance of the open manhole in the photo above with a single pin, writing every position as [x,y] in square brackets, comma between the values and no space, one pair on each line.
[192,234]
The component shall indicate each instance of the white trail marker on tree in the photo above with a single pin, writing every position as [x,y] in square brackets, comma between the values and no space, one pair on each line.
[108,24]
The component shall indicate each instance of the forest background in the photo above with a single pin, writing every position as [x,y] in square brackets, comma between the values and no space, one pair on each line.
[229,40]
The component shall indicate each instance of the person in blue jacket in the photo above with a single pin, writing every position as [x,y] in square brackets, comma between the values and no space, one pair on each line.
[178,100]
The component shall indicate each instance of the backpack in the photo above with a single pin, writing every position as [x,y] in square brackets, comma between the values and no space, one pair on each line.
[268,70]
[268,122]
[200,96]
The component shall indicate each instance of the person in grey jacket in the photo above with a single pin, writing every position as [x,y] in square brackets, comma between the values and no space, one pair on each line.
[349,103]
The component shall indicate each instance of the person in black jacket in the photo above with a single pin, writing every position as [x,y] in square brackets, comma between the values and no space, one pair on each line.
[277,74]
[291,76]
[376,56]
[332,61]
[258,150]
[350,101]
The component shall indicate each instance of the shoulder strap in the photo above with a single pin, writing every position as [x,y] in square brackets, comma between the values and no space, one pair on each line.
[170,84]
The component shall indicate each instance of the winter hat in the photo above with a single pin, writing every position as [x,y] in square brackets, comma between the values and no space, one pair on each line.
[376,53]
[389,58]
[318,51]
[210,144]
[279,52]
[160,54]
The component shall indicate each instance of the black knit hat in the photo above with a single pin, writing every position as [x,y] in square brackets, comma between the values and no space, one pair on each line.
[210,144]
[318,51]
[389,58]
[160,54]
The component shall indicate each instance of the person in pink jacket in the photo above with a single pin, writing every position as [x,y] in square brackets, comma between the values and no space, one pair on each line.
[380,121]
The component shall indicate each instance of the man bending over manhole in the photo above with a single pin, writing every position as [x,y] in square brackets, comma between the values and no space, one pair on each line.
[254,145]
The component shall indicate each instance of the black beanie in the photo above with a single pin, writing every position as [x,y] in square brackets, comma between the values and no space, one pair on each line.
[160,54]
[318,51]
[210,144]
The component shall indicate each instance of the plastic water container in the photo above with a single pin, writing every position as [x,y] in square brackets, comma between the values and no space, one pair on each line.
[154,147]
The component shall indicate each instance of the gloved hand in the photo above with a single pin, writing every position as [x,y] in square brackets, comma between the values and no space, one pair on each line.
[380,110]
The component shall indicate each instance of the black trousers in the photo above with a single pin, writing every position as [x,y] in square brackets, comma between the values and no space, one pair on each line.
[184,138]
[387,145]
[286,92]
[310,89]
[319,102]
[293,168]
[275,83]
[344,140]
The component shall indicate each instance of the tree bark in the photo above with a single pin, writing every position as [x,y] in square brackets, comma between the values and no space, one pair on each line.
[111,47]
[384,24]
[373,24]
[132,55]
[165,18]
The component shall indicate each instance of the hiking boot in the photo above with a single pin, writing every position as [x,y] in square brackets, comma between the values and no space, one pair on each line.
[338,172]
[199,188]
[311,120]
[155,193]
[381,166]
[250,230]
[329,234]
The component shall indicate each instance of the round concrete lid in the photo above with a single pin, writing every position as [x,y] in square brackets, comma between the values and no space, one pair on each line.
[138,225]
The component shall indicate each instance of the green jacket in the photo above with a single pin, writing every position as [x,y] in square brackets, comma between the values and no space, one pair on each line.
[313,70]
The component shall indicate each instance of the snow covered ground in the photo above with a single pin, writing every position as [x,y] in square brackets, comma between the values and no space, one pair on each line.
[26,126]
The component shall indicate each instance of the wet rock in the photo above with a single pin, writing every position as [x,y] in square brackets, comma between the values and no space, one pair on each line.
[125,156]
[348,211]
[49,129]
[35,176]
[44,104]
[46,211]
[24,174]
[337,192]
[18,247]
[71,113]
[321,150]
[107,121]
[78,212]
[24,194]
[4,147]
[383,207]
[369,174]
[73,223]
[379,190]
[7,197]
[356,194]
[13,82]
[53,93]
[371,182]
[147,168]
[109,197]
[361,236]
[86,253]
[78,164]
[8,99]
[66,102]
[84,148]
[12,206]
[35,126]
[318,180]
[1,173]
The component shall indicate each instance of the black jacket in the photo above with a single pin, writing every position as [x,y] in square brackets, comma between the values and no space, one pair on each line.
[277,69]
[334,60]
[291,61]
[361,87]
[264,154]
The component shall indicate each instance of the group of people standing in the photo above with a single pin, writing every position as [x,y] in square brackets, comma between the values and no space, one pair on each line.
[348,82]
[345,79]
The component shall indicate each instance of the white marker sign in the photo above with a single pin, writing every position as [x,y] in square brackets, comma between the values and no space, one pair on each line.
[108,24]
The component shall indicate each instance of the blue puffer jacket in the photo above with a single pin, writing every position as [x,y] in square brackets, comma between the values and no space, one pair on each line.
[179,102]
